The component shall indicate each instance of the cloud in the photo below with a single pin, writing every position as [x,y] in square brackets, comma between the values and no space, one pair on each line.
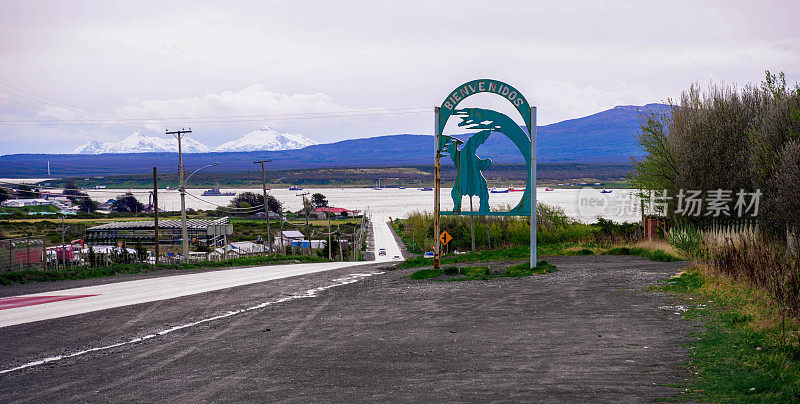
[252,103]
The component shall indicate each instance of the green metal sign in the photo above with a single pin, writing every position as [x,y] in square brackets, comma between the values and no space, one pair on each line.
[469,166]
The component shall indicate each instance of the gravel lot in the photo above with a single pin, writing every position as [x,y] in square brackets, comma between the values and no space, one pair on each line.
[590,332]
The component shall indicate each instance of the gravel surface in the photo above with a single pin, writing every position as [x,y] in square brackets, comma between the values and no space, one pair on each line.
[589,332]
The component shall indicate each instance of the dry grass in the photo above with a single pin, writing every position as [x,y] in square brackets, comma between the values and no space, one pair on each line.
[762,264]
[659,245]
[757,306]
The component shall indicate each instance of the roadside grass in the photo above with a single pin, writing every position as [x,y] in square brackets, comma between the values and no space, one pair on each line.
[27,276]
[563,249]
[749,349]
[453,273]
[650,254]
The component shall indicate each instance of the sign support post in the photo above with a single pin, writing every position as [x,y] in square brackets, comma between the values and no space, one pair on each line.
[436,193]
[532,183]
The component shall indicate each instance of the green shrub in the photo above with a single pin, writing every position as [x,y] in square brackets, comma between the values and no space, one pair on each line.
[475,271]
[688,240]
[450,271]
[425,274]
[585,251]
[524,269]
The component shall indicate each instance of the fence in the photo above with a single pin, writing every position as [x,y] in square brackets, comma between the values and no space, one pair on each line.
[22,254]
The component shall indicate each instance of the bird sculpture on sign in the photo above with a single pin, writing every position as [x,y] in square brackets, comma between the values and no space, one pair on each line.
[469,167]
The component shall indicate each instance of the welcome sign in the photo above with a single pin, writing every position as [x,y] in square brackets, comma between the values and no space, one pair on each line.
[464,154]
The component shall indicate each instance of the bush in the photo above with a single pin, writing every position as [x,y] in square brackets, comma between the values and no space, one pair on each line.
[450,271]
[687,240]
[475,271]
[425,274]
[585,251]
[524,269]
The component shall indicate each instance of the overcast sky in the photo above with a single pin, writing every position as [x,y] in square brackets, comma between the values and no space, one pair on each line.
[102,69]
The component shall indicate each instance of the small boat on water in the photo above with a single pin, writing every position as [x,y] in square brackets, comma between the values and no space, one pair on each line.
[401,187]
[499,190]
[426,189]
[217,192]
[549,189]
[605,191]
[516,190]
[294,189]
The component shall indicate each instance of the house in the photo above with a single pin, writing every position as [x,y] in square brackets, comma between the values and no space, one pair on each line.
[211,232]
[235,250]
[289,238]
[19,203]
[285,238]
[323,211]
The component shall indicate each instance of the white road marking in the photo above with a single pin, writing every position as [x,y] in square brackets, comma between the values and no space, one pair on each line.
[352,278]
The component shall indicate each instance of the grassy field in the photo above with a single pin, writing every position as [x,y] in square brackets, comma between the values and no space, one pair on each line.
[748,350]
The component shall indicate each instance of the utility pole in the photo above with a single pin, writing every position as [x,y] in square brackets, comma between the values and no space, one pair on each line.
[339,238]
[471,224]
[184,233]
[266,204]
[437,249]
[283,219]
[308,233]
[328,214]
[155,211]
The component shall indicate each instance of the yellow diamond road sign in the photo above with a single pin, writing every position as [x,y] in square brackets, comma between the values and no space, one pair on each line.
[445,237]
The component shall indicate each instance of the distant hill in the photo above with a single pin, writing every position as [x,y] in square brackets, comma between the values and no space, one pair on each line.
[606,136]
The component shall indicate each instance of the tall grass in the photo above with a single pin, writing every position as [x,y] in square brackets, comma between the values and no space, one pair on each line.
[553,226]
[766,264]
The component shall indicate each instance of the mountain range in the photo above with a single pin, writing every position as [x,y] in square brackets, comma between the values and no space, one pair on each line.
[604,137]
[264,138]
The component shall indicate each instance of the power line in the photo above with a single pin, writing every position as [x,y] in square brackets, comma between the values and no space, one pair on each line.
[73,107]
[167,121]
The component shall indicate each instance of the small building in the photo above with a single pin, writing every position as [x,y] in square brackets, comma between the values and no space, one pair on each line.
[211,232]
[237,249]
[293,238]
[323,212]
[286,237]
[19,203]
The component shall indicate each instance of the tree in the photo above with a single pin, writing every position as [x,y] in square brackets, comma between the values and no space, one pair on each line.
[87,205]
[729,139]
[319,200]
[4,194]
[74,193]
[127,203]
[27,192]
[249,199]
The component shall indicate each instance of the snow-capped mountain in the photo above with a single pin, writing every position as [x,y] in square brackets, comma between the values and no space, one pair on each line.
[266,139]
[93,147]
[139,143]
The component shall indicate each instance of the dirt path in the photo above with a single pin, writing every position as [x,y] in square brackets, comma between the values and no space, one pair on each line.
[590,332]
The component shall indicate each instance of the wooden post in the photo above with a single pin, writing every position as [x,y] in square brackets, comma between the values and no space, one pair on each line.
[471,224]
[532,184]
[266,202]
[155,211]
[436,191]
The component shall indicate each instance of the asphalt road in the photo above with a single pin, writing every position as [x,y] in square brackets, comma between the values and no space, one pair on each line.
[105,295]
[590,332]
